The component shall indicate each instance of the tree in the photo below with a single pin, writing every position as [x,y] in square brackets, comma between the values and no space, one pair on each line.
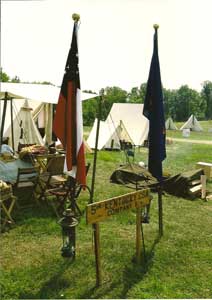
[89,108]
[206,94]
[188,101]
[137,95]
[4,76]
[15,79]
[143,88]
[169,97]
[134,95]
[112,95]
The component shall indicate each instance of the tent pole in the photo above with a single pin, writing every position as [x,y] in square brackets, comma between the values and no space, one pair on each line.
[3,119]
[12,128]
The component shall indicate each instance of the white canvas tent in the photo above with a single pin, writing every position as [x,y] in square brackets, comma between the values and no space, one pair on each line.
[41,98]
[25,130]
[133,119]
[110,135]
[170,124]
[16,107]
[192,124]
[38,92]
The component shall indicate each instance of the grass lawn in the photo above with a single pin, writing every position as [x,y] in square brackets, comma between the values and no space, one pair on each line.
[206,134]
[179,265]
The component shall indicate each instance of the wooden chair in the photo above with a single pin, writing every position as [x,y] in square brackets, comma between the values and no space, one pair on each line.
[53,177]
[66,195]
[25,184]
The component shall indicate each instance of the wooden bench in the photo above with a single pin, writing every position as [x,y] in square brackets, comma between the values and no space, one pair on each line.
[207,167]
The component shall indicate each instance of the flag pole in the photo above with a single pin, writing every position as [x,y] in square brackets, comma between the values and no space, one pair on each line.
[160,192]
[160,210]
[96,144]
[96,229]
[154,111]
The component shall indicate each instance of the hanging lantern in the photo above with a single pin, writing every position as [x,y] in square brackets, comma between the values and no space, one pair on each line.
[68,224]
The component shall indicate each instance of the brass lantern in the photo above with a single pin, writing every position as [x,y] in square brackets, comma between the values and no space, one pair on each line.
[68,224]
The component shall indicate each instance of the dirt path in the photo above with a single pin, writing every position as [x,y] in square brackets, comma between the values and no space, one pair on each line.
[191,141]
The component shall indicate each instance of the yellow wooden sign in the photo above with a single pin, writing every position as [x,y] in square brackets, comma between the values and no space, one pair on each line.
[101,210]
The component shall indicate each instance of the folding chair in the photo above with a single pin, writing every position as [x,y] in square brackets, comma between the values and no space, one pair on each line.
[7,203]
[67,195]
[27,180]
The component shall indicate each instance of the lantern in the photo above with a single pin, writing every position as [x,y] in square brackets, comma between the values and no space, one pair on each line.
[68,224]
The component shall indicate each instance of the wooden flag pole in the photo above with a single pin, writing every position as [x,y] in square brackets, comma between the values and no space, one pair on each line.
[96,229]
[138,235]
[160,211]
[95,150]
[160,203]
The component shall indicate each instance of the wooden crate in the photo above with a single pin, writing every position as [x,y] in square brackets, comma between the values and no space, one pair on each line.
[207,167]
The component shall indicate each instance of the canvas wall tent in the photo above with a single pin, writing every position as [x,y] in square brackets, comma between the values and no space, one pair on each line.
[41,99]
[25,130]
[170,124]
[133,119]
[110,134]
[192,124]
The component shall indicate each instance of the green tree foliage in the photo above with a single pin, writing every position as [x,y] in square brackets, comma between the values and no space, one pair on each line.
[181,103]
[188,101]
[3,76]
[137,95]
[206,94]
[112,95]
[89,108]
[143,88]
[15,79]
[169,97]
[134,95]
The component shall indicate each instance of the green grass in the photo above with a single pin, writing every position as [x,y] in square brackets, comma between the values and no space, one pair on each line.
[179,265]
[203,135]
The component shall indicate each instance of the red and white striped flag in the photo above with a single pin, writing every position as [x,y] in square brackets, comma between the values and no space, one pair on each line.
[68,125]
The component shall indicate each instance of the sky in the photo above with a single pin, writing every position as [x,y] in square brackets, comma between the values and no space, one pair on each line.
[115,41]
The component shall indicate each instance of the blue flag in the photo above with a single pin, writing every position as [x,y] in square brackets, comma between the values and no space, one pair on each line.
[153,110]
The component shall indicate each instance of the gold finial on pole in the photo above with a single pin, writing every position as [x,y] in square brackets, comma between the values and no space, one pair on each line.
[156,26]
[76,17]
